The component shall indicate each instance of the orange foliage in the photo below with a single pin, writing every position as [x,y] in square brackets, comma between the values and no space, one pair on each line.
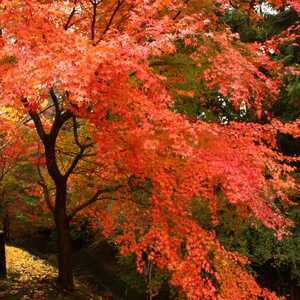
[139,139]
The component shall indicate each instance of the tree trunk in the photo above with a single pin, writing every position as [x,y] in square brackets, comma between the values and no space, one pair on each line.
[65,268]
[64,247]
[2,255]
[6,227]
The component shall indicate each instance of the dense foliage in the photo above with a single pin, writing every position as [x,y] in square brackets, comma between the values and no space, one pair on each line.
[119,94]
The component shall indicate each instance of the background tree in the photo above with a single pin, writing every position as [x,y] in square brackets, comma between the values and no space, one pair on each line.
[11,149]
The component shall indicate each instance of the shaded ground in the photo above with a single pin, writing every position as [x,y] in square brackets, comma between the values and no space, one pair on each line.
[30,278]
[95,265]
[98,265]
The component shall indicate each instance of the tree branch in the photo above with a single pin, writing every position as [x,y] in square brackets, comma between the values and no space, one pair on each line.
[107,27]
[75,133]
[26,120]
[74,163]
[36,119]
[71,153]
[76,136]
[180,11]
[44,186]
[55,102]
[118,25]
[59,122]
[6,168]
[94,4]
[81,146]
[66,26]
[93,199]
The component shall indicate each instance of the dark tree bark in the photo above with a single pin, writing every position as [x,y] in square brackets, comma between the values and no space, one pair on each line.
[6,227]
[59,207]
[64,248]
[2,255]
[65,265]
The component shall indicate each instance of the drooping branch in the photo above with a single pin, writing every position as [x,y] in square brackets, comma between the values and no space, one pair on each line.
[93,199]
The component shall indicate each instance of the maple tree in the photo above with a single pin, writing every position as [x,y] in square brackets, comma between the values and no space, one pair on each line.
[82,71]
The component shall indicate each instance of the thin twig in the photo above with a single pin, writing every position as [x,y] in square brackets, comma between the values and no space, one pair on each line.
[180,11]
